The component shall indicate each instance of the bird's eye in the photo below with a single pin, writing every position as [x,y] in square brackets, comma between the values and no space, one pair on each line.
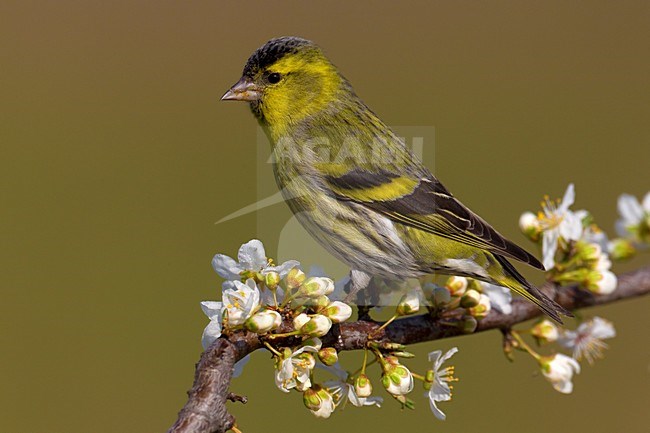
[274,78]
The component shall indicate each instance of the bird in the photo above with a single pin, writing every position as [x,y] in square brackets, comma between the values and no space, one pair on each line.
[356,187]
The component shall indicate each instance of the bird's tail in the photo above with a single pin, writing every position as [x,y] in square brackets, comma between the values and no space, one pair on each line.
[516,282]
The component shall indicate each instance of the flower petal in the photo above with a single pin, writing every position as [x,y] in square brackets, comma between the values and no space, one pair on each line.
[284,268]
[549,245]
[568,199]
[571,227]
[451,352]
[500,297]
[646,203]
[211,333]
[436,412]
[226,267]
[252,256]
[630,209]
[212,309]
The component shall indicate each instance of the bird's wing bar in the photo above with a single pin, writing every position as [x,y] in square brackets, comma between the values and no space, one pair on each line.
[425,204]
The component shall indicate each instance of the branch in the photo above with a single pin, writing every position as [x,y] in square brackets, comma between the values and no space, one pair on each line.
[205,410]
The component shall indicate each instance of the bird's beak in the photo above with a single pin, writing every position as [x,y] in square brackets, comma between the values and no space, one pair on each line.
[243,90]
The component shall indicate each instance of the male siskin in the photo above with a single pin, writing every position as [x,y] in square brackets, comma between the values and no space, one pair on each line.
[367,199]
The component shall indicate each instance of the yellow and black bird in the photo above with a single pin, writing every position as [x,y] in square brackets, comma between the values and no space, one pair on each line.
[356,187]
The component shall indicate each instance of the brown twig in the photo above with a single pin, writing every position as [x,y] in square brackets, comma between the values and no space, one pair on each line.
[205,410]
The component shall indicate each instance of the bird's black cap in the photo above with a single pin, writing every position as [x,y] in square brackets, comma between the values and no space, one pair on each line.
[272,51]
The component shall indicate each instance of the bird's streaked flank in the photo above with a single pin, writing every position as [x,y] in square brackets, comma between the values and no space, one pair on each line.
[356,187]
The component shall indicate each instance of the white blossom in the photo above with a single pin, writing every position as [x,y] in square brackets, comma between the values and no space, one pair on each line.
[587,340]
[557,221]
[559,370]
[344,391]
[251,258]
[441,388]
[240,300]
[293,369]
[214,311]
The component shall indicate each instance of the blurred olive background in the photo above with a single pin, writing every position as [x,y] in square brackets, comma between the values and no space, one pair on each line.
[118,159]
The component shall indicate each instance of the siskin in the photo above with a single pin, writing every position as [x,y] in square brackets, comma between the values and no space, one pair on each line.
[366,199]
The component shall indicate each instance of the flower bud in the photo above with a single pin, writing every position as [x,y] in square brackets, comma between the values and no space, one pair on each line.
[545,331]
[588,251]
[602,282]
[441,297]
[317,326]
[328,356]
[409,304]
[319,401]
[621,249]
[311,399]
[300,320]
[338,312]
[470,299]
[397,379]
[468,324]
[403,354]
[456,285]
[482,308]
[602,263]
[529,225]
[315,287]
[295,278]
[321,302]
[264,321]
[272,279]
[362,386]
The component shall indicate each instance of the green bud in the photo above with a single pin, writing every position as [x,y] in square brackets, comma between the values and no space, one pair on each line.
[362,386]
[468,324]
[397,379]
[405,401]
[403,354]
[529,225]
[470,299]
[388,346]
[263,321]
[409,304]
[300,320]
[295,278]
[328,356]
[545,331]
[315,287]
[621,249]
[311,399]
[456,285]
[601,282]
[272,279]
[317,326]
[321,302]
[588,251]
[482,309]
[441,297]
[338,311]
